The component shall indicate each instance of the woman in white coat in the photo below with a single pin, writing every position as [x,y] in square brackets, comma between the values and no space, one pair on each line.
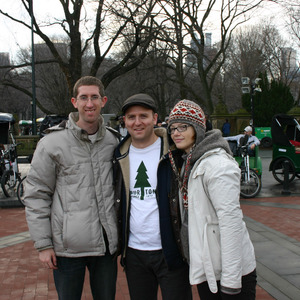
[217,243]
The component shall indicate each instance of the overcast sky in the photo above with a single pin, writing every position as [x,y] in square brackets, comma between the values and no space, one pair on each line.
[13,34]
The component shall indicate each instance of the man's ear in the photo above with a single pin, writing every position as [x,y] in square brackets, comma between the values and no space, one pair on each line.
[103,101]
[155,116]
[74,102]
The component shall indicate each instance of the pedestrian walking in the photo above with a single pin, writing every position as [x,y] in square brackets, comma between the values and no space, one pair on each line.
[226,128]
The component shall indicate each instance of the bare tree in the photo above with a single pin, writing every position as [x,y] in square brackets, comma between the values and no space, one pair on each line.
[279,57]
[12,100]
[294,14]
[292,8]
[187,25]
[99,33]
[259,49]
[152,76]
[244,58]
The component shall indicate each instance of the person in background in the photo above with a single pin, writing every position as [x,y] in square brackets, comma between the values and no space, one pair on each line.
[70,198]
[152,253]
[246,138]
[208,123]
[226,128]
[165,122]
[121,127]
[221,254]
[159,123]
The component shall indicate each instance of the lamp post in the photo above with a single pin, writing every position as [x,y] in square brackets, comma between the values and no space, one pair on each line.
[249,88]
[33,71]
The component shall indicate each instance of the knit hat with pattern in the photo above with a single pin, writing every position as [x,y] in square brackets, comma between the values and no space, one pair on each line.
[188,112]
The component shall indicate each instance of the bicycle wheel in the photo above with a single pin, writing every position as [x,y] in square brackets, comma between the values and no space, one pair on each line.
[278,170]
[249,189]
[9,183]
[21,191]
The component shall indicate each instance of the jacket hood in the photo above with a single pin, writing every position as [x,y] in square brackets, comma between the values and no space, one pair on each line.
[213,139]
[78,132]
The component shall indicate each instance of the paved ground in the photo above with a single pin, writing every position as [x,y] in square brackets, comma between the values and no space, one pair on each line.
[273,223]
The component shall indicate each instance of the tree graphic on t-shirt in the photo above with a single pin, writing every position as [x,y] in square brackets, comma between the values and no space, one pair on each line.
[141,179]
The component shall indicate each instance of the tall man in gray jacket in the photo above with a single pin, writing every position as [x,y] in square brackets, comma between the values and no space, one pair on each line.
[70,199]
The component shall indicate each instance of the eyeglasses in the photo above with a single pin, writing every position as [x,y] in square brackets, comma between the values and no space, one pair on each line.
[181,128]
[93,98]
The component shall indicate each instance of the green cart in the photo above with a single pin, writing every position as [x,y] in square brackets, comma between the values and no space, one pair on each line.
[264,135]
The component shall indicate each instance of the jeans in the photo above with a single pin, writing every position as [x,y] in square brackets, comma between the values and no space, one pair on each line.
[69,277]
[145,270]
[248,290]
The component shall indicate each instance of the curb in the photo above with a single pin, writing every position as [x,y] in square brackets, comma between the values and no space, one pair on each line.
[10,202]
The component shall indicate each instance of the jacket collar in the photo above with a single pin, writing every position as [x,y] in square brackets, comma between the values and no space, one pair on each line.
[213,139]
[81,133]
[123,147]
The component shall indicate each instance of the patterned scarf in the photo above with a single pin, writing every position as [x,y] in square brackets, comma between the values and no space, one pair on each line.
[183,182]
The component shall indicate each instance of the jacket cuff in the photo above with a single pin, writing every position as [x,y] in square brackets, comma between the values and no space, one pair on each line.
[230,291]
[43,244]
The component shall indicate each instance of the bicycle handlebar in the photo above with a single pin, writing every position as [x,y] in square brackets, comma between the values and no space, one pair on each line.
[11,147]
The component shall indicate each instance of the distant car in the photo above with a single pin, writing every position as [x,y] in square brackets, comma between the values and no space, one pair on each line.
[49,121]
[264,135]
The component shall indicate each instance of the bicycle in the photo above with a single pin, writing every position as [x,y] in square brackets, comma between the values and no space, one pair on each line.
[11,177]
[250,180]
[3,163]
[21,186]
[21,190]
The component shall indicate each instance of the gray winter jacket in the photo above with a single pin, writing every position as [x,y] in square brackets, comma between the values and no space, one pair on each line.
[69,192]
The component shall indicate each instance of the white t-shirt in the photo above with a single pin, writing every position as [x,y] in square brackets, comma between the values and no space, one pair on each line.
[144,232]
[93,137]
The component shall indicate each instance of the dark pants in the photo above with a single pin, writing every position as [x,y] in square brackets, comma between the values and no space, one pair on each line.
[69,277]
[251,152]
[247,293]
[145,270]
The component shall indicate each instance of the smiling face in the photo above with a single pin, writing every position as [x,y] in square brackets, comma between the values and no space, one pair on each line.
[140,122]
[89,103]
[183,140]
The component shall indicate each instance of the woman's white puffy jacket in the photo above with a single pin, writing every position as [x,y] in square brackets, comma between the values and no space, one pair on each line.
[220,247]
[69,192]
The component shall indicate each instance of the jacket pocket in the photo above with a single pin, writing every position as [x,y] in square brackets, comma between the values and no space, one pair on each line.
[214,245]
[212,254]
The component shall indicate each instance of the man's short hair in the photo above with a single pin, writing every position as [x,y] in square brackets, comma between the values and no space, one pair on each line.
[88,80]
